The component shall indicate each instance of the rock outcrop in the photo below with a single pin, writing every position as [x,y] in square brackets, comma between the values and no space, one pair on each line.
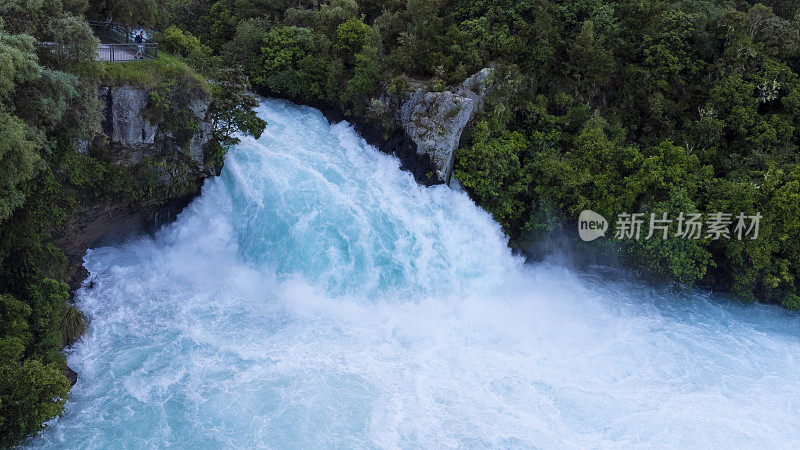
[132,136]
[434,121]
[418,124]
[124,124]
[131,140]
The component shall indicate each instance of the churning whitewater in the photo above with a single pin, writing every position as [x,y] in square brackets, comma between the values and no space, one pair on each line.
[315,296]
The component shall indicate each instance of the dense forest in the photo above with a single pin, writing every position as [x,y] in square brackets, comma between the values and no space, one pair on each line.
[616,106]
[48,106]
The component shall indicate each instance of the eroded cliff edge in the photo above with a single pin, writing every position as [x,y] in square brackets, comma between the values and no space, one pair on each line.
[160,149]
[434,120]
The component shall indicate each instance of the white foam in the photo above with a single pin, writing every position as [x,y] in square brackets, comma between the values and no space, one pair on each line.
[315,296]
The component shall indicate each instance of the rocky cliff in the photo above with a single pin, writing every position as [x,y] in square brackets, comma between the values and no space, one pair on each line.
[133,136]
[434,121]
[142,146]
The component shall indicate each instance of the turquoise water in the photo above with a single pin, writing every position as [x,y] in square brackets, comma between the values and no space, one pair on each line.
[314,296]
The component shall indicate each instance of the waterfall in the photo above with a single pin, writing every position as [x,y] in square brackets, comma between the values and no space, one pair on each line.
[315,296]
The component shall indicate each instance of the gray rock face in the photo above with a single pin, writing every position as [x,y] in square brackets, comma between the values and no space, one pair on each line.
[436,120]
[124,123]
[130,138]
[202,137]
[133,137]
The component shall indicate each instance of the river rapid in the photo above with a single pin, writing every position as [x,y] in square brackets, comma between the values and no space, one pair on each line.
[314,296]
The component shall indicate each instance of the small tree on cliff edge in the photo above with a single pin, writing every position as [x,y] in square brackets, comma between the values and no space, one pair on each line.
[231,111]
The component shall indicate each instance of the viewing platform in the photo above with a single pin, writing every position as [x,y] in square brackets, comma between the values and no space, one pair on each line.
[117,45]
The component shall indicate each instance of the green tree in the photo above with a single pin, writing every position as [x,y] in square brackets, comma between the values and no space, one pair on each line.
[179,42]
[19,145]
[492,172]
[31,393]
[366,74]
[130,13]
[231,110]
[48,300]
[351,36]
[590,65]
[20,155]
[293,62]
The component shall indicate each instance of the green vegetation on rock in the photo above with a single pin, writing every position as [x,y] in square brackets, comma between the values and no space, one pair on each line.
[57,163]
[646,106]
[149,73]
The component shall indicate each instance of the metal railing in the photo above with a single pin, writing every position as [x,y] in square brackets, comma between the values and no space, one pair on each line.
[127,52]
[120,46]
[111,30]
[98,23]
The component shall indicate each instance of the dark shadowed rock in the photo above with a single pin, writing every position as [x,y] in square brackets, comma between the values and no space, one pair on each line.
[71,375]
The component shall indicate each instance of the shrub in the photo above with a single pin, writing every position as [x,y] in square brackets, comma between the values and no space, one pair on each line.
[179,42]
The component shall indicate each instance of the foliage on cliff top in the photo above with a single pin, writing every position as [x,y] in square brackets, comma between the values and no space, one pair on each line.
[651,106]
[48,104]
[150,73]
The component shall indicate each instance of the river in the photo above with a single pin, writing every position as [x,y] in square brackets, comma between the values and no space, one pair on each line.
[315,296]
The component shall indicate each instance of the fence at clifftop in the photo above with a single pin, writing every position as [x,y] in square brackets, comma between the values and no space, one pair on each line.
[116,44]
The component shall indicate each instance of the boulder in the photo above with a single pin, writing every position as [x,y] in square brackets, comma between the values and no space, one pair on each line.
[434,121]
